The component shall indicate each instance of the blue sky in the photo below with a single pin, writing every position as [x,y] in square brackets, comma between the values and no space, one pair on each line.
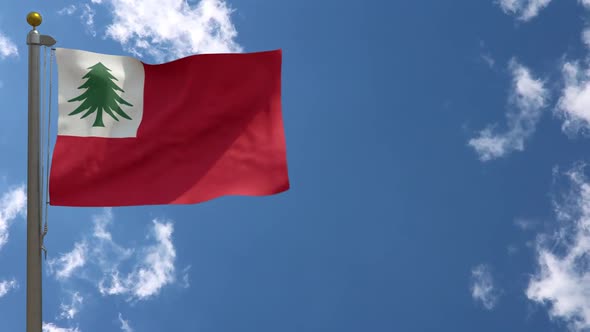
[437,154]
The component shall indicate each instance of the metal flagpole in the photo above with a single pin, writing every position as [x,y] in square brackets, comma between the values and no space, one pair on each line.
[34,292]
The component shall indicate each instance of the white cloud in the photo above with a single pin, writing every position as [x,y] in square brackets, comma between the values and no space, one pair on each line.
[50,327]
[149,269]
[69,10]
[485,55]
[525,224]
[586,37]
[528,98]
[524,9]
[512,249]
[99,250]
[563,279]
[116,286]
[7,47]
[64,266]
[482,286]
[158,266]
[87,18]
[86,15]
[12,204]
[490,146]
[6,286]
[106,252]
[488,60]
[125,327]
[185,277]
[169,29]
[574,103]
[155,271]
[101,222]
[69,311]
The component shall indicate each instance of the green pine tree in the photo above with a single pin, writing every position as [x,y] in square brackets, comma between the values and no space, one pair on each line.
[100,95]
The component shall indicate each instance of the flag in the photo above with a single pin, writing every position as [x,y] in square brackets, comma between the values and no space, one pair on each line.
[181,132]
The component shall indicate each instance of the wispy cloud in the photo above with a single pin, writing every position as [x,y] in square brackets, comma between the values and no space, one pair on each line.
[64,266]
[586,37]
[87,17]
[168,29]
[574,103]
[512,249]
[525,224]
[107,254]
[487,58]
[185,277]
[563,278]
[7,47]
[101,223]
[152,273]
[527,100]
[86,14]
[525,10]
[12,204]
[69,311]
[98,250]
[69,10]
[6,286]
[50,327]
[483,289]
[125,327]
[150,267]
[485,55]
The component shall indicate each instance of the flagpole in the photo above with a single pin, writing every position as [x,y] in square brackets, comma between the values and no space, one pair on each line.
[34,271]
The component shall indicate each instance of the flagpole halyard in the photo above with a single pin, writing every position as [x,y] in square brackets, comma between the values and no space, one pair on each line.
[34,272]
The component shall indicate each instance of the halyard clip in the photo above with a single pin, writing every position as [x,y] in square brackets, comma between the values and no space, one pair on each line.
[45,229]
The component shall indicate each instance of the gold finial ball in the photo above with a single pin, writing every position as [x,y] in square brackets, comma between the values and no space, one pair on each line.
[34,19]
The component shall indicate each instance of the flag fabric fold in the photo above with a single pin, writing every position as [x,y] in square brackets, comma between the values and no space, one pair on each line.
[181,132]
